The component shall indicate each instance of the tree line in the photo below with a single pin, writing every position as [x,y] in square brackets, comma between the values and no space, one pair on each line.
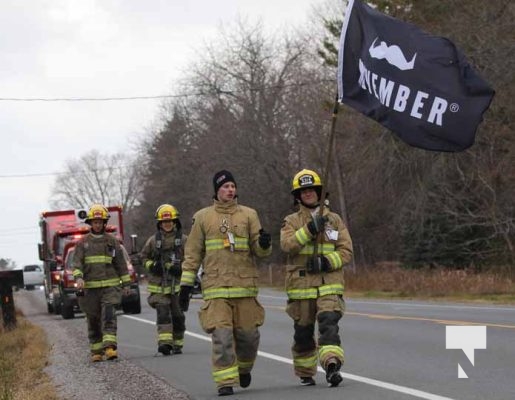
[260,106]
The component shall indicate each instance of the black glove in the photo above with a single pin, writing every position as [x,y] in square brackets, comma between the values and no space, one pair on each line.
[265,240]
[317,265]
[174,267]
[157,268]
[316,225]
[184,297]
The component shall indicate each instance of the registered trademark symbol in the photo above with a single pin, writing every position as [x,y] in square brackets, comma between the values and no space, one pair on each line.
[454,107]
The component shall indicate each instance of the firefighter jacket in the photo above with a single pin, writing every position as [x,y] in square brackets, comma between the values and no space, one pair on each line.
[98,259]
[297,241]
[224,238]
[170,249]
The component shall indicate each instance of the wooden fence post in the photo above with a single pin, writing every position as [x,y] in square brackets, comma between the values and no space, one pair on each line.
[8,279]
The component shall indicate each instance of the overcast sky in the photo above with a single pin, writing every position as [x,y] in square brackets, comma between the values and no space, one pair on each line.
[93,48]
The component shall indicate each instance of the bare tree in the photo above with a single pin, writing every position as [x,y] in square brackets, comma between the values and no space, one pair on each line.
[7,263]
[98,178]
[261,115]
[264,112]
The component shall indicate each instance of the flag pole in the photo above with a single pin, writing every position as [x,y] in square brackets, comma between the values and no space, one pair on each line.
[325,179]
[329,153]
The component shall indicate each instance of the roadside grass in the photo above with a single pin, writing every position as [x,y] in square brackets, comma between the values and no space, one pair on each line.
[23,356]
[390,281]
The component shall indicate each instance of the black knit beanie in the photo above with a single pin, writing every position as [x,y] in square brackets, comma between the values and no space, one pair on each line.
[220,178]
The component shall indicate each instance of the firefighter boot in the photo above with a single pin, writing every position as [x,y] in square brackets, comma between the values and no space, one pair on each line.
[307,381]
[96,357]
[245,380]
[164,349]
[225,391]
[177,349]
[332,374]
[111,353]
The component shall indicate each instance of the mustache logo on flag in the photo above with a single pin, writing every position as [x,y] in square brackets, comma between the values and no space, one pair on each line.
[393,54]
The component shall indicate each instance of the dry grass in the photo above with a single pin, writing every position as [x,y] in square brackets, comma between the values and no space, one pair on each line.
[393,281]
[390,280]
[23,355]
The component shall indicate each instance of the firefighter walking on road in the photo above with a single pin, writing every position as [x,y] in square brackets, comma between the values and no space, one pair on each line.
[162,256]
[225,238]
[314,285]
[100,271]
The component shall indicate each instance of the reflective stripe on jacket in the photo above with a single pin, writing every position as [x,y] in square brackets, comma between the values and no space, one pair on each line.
[224,239]
[161,283]
[98,259]
[298,243]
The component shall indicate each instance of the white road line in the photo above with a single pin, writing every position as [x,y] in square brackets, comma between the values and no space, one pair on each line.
[374,382]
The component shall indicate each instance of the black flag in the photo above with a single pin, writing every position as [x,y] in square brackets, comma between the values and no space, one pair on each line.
[418,85]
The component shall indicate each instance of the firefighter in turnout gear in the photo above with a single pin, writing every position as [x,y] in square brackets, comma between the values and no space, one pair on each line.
[162,256]
[100,271]
[225,238]
[314,285]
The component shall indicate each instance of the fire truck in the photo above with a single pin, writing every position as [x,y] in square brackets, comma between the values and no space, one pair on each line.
[60,232]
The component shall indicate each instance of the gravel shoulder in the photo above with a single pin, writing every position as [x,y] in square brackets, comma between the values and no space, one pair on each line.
[75,377]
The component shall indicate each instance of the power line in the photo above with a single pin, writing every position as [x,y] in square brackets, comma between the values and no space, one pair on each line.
[96,98]
[212,91]
[15,234]
[29,175]
[19,228]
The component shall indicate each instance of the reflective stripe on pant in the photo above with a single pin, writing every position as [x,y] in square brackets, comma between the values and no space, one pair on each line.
[304,350]
[99,307]
[233,324]
[109,325]
[94,334]
[171,321]
[96,347]
[327,311]
[329,344]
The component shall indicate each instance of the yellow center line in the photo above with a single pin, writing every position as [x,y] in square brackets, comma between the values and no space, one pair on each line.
[437,321]
[400,317]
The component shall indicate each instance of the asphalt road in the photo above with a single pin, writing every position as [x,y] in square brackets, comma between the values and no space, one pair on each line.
[394,350]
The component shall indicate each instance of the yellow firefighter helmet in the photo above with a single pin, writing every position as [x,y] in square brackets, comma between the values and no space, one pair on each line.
[306,179]
[166,212]
[97,211]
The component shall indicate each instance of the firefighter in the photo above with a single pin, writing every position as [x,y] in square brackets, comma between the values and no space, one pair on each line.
[162,256]
[225,238]
[100,271]
[314,286]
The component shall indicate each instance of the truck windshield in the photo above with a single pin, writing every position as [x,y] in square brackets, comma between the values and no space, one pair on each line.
[64,240]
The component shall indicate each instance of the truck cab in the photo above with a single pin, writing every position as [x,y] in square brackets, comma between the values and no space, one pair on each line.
[32,276]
